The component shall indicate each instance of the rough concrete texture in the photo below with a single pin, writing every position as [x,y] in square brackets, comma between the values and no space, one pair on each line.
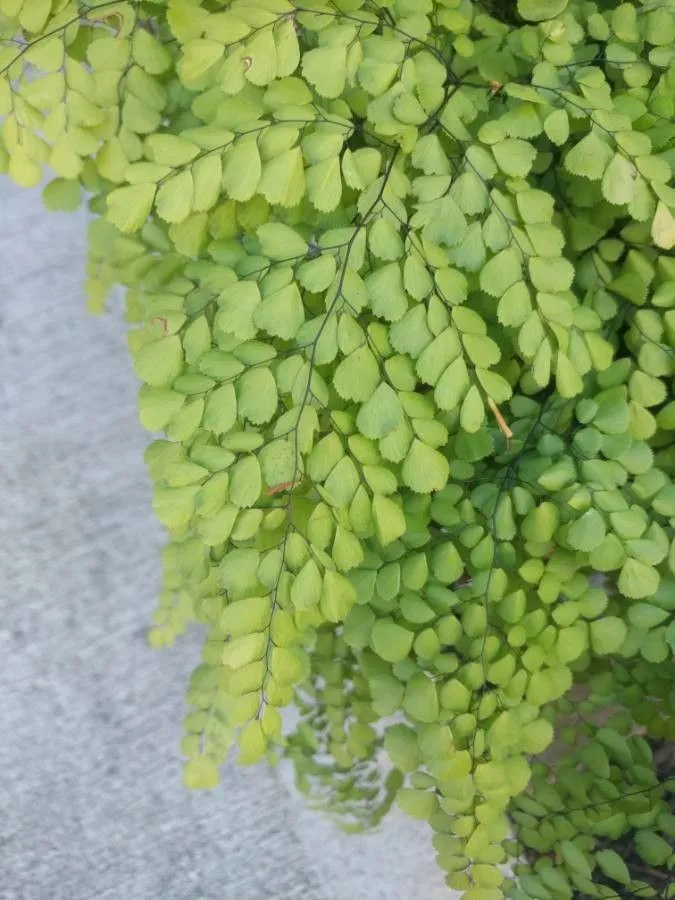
[92,802]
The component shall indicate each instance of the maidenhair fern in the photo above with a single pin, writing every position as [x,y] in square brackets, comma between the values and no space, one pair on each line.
[403,303]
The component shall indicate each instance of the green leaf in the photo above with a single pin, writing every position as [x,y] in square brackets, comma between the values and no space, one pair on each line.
[283,179]
[452,284]
[317,274]
[500,272]
[670,636]
[245,616]
[572,642]
[515,305]
[618,182]
[337,597]
[436,356]
[256,395]
[514,157]
[390,641]
[358,375]
[574,859]
[278,463]
[201,773]
[242,169]
[148,52]
[62,194]
[424,469]
[385,286]
[447,564]
[638,580]
[217,528]
[589,157]
[429,156]
[357,627]
[652,848]
[472,413]
[252,743]
[541,522]
[609,555]
[646,616]
[174,198]
[389,519]
[280,242]
[220,413]
[170,149]
[540,10]
[536,736]
[158,363]
[129,207]
[400,743]
[455,696]
[306,590]
[588,531]
[241,651]
[416,803]
[347,551]
[663,227]
[245,482]
[342,483]
[607,635]
[236,308]
[287,47]
[551,275]
[326,69]
[557,127]
[381,414]
[447,223]
[324,184]
[281,313]
[261,58]
[386,691]
[568,380]
[198,57]
[420,700]
[361,167]
[174,506]
[384,239]
[158,406]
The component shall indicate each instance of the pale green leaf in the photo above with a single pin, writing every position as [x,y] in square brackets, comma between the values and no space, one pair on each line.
[129,207]
[618,182]
[197,58]
[242,169]
[638,580]
[175,197]
[607,634]
[325,68]
[540,10]
[170,149]
[589,157]
[588,531]
[381,413]
[425,469]
[257,395]
[324,184]
[159,362]
[281,313]
[392,642]
[283,179]
[514,157]
[280,242]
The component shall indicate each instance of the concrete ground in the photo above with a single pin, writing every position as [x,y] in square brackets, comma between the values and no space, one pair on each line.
[90,782]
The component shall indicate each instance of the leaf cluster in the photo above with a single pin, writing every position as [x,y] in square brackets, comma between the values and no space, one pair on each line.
[401,297]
